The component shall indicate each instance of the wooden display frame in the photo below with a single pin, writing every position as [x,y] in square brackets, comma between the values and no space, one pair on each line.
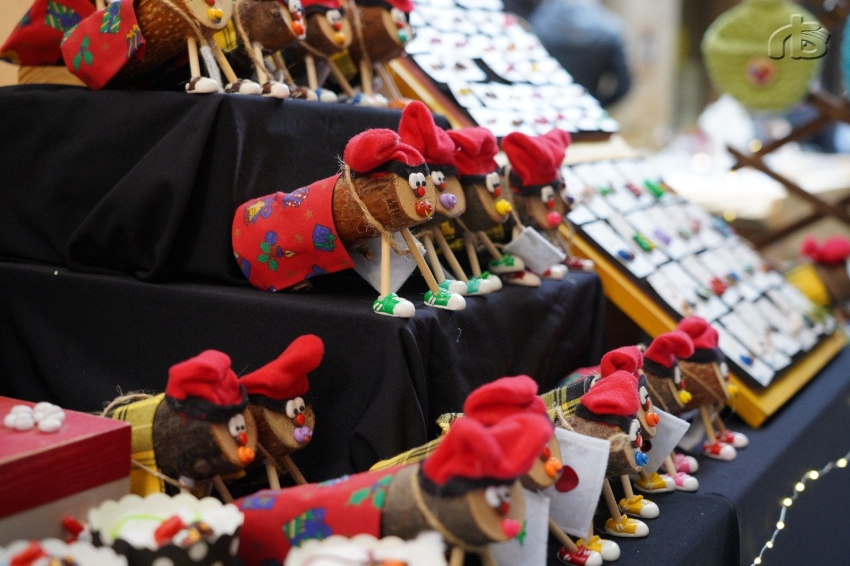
[753,406]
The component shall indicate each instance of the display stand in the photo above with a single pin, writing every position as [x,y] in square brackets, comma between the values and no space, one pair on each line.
[753,406]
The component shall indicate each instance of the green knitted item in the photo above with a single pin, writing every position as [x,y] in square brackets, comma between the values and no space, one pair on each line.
[739,62]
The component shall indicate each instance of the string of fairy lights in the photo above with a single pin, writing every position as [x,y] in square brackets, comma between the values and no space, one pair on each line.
[799,488]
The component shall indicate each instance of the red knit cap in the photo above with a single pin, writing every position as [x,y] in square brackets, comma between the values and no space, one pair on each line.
[475,149]
[371,149]
[532,158]
[614,395]
[324,5]
[208,377]
[558,141]
[833,250]
[668,346]
[702,334]
[405,6]
[502,398]
[627,358]
[418,130]
[504,451]
[286,377]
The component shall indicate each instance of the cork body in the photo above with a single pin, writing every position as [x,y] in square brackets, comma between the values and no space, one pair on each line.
[704,382]
[443,214]
[266,22]
[480,214]
[664,394]
[388,198]
[836,281]
[276,431]
[320,34]
[621,459]
[379,34]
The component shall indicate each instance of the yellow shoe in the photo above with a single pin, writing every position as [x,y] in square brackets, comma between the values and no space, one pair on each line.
[637,506]
[626,527]
[655,483]
[609,549]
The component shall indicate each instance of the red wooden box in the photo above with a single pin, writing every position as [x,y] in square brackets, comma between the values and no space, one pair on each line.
[44,476]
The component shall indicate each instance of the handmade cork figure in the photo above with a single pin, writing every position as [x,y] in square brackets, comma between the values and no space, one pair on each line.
[609,411]
[125,43]
[536,182]
[487,206]
[329,33]
[381,30]
[830,262]
[417,128]
[282,240]
[663,375]
[707,376]
[467,490]
[279,400]
[196,431]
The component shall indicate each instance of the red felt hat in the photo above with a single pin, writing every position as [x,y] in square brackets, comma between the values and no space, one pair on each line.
[532,158]
[614,395]
[558,141]
[503,452]
[668,346]
[206,377]
[834,250]
[405,6]
[702,334]
[491,403]
[320,5]
[475,149]
[286,377]
[627,358]
[373,148]
[418,130]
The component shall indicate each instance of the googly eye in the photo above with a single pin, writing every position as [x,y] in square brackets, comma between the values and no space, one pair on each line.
[421,177]
[333,16]
[634,430]
[491,495]
[294,6]
[290,409]
[438,178]
[413,179]
[677,376]
[398,16]
[504,493]
[300,407]
[547,195]
[492,182]
[644,396]
[724,369]
[236,425]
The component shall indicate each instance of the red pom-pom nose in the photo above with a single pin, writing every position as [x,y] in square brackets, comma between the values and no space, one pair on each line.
[301,419]
[554,219]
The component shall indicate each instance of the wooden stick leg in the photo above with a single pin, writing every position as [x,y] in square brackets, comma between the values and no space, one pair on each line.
[222,489]
[671,465]
[644,475]
[490,246]
[450,256]
[471,254]
[420,261]
[262,76]
[194,63]
[366,78]
[340,79]
[487,559]
[562,536]
[458,555]
[293,470]
[312,79]
[391,87]
[721,427]
[706,421]
[223,63]
[271,474]
[281,66]
[386,250]
[433,258]
[627,486]
[611,501]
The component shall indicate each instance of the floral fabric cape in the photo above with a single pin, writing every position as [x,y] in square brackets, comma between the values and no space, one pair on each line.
[36,38]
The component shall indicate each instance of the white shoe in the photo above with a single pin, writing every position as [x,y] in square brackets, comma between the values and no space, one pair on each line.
[244,86]
[524,278]
[274,89]
[556,272]
[201,85]
[325,95]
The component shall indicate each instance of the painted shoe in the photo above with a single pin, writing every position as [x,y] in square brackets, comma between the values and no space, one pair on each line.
[325,95]
[201,85]
[626,528]
[393,305]
[556,272]
[506,264]
[684,482]
[445,300]
[736,439]
[580,264]
[685,463]
[655,483]
[608,549]
[479,286]
[243,86]
[275,89]
[524,278]
[582,557]
[637,506]
[494,280]
[454,286]
[720,451]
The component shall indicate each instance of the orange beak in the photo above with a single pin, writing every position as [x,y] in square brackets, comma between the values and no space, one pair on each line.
[652,419]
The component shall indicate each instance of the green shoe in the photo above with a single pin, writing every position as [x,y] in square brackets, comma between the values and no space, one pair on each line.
[507,264]
[453,286]
[479,286]
[445,300]
[393,305]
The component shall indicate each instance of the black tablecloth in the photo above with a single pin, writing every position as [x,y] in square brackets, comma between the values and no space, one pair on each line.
[74,338]
[146,183]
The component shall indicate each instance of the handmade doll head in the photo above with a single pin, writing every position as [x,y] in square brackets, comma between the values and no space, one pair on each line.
[535,175]
[487,202]
[609,411]
[328,30]
[417,129]
[706,371]
[664,378]
[279,397]
[831,261]
[212,14]
[385,28]
[473,472]
[203,428]
[630,359]
[493,402]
